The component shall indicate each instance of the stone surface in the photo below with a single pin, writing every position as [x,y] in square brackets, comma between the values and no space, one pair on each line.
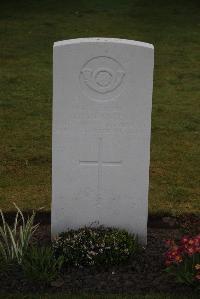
[102,99]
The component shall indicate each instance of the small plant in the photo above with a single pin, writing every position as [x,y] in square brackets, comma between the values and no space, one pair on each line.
[95,246]
[40,265]
[14,241]
[183,260]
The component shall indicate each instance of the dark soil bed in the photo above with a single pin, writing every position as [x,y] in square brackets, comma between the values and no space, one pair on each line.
[142,275]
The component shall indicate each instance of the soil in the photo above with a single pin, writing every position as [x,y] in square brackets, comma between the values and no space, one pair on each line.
[142,275]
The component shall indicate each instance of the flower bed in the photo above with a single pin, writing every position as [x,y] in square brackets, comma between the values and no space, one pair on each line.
[120,266]
[145,274]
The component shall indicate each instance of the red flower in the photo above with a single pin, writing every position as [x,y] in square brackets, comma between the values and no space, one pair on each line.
[184,239]
[191,250]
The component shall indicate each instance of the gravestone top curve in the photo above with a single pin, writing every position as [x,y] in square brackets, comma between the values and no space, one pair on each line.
[102,40]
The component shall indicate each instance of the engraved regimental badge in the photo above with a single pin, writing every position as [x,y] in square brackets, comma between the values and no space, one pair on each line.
[101,78]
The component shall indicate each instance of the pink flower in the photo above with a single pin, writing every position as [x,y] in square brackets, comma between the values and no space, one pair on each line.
[184,239]
[191,242]
[190,250]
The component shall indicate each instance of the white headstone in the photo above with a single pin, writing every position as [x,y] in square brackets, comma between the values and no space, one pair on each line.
[102,97]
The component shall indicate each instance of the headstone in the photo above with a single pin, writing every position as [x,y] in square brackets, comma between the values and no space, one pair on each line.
[102,97]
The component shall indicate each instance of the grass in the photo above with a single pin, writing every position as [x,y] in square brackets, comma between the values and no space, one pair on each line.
[27,32]
[46,296]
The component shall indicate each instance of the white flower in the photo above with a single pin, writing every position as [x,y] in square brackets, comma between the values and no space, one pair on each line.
[89,256]
[92,253]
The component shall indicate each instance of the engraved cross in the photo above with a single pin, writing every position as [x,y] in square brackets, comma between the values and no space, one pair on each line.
[100,163]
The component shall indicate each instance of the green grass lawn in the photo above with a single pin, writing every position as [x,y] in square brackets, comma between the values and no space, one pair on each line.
[98,297]
[27,32]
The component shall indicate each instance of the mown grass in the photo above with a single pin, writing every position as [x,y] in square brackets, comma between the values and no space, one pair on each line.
[46,296]
[27,32]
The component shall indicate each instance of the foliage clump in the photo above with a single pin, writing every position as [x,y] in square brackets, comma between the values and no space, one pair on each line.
[15,240]
[40,265]
[90,246]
